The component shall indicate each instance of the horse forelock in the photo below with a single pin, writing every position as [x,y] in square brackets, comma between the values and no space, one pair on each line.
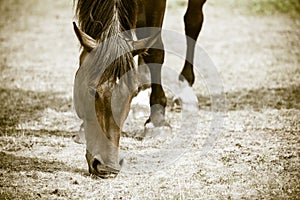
[113,59]
[105,21]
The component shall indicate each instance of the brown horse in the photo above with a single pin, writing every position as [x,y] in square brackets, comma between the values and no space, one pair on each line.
[106,82]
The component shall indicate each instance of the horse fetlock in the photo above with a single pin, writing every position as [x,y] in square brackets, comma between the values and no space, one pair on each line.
[157,116]
[187,74]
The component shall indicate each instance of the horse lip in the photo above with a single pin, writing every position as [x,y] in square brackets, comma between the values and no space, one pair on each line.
[108,175]
[106,168]
[104,171]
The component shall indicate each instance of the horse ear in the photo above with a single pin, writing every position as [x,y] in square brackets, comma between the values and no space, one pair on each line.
[141,46]
[85,40]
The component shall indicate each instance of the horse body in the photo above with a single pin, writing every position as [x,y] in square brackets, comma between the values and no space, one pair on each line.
[101,100]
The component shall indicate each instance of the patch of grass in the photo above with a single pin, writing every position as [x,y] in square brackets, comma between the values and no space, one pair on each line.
[176,4]
[13,195]
[275,98]
[14,144]
[270,7]
[15,163]
[289,8]
[19,106]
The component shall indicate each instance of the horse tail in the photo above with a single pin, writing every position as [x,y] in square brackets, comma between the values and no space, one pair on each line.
[96,17]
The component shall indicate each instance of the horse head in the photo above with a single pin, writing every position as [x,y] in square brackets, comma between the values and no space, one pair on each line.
[105,84]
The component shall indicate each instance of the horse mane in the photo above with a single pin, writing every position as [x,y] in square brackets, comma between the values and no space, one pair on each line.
[106,21]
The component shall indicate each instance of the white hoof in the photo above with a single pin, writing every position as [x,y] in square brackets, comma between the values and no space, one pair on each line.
[152,131]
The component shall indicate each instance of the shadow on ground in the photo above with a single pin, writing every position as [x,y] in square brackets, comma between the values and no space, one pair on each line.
[274,98]
[12,165]
[15,163]
[262,98]
[18,106]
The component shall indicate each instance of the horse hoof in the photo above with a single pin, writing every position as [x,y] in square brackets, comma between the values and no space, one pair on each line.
[186,100]
[176,104]
[151,131]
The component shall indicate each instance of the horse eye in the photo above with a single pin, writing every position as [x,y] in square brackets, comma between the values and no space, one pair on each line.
[94,93]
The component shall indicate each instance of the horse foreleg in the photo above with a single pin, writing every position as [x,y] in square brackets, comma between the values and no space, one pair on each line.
[151,15]
[158,100]
[156,122]
[193,20]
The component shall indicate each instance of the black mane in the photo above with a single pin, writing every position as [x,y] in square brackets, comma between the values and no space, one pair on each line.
[105,20]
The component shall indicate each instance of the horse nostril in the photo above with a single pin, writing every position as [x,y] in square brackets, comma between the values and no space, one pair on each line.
[121,162]
[96,162]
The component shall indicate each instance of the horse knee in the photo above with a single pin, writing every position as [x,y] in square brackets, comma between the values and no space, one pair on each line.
[155,55]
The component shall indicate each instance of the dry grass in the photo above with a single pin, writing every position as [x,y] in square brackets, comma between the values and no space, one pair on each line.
[256,156]
[289,8]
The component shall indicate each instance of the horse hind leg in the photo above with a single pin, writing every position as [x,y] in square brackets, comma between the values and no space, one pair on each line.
[193,20]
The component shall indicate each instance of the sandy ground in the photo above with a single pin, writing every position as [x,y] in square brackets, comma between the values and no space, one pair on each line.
[254,156]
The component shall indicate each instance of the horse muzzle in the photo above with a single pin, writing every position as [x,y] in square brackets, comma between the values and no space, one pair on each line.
[98,168]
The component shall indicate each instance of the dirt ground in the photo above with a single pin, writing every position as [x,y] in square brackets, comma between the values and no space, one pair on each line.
[255,156]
